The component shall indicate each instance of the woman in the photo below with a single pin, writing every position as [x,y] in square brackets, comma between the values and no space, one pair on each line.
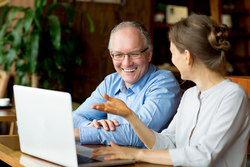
[212,122]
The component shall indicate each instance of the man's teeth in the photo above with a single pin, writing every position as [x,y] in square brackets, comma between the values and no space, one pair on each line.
[131,70]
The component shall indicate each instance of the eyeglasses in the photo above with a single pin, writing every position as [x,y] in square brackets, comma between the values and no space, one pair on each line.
[132,55]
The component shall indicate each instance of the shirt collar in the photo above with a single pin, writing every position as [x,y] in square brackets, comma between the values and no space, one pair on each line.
[138,86]
[213,89]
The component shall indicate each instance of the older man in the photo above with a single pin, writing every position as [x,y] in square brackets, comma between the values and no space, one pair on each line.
[153,94]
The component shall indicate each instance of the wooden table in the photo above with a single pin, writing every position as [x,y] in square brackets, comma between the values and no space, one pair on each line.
[18,159]
[7,115]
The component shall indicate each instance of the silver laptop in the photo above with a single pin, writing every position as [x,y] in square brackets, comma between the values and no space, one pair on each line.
[45,128]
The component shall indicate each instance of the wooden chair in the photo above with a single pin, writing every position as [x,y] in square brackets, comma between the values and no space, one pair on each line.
[6,115]
[244,81]
[4,80]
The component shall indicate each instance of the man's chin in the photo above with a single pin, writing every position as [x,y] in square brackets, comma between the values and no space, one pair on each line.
[129,82]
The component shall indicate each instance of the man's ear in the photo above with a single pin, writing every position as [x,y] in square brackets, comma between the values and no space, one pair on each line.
[110,53]
[188,57]
[150,55]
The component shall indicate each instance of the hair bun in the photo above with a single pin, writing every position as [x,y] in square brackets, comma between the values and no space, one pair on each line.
[218,38]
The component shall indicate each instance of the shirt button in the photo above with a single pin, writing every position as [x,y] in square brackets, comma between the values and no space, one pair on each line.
[128,97]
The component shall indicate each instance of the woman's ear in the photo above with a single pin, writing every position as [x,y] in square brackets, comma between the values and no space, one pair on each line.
[188,57]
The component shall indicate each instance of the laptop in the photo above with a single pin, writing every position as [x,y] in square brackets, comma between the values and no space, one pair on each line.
[45,128]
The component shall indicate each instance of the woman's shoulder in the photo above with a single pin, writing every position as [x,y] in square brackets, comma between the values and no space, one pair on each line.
[234,88]
[226,87]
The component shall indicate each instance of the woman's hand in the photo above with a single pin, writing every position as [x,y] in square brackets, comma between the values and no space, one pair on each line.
[113,106]
[116,152]
[143,155]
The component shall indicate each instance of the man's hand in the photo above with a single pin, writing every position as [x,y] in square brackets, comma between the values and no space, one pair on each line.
[77,134]
[106,124]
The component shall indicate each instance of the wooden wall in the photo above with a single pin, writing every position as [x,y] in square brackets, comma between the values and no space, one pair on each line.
[24,3]
[247,6]
[96,59]
[97,62]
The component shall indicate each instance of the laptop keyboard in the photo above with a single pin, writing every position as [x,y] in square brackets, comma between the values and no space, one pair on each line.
[84,160]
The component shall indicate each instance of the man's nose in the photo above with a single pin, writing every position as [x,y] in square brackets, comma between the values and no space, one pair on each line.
[126,60]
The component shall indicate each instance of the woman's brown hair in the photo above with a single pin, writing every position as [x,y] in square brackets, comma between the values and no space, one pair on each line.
[203,38]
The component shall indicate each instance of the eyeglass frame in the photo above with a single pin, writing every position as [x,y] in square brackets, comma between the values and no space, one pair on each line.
[129,55]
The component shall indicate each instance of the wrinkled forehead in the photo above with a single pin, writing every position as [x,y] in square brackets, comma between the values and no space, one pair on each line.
[127,38]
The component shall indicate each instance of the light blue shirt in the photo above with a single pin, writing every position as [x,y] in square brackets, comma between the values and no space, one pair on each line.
[154,99]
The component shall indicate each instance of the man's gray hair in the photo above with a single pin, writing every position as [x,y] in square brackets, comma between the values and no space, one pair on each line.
[140,27]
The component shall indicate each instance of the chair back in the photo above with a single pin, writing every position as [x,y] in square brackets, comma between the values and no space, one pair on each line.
[4,80]
[244,81]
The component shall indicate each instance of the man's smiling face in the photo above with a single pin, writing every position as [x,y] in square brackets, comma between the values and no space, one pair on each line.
[128,40]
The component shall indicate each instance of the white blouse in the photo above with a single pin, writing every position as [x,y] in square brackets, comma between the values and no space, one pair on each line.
[219,119]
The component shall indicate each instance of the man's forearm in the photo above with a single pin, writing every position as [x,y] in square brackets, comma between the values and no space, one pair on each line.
[123,135]
[145,134]
[80,121]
